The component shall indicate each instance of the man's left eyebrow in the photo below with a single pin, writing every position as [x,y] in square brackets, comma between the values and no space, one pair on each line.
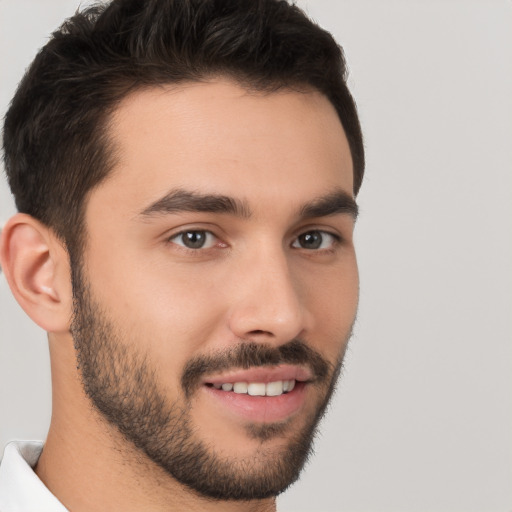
[335,203]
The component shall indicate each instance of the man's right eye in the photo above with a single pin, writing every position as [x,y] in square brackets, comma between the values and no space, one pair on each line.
[194,239]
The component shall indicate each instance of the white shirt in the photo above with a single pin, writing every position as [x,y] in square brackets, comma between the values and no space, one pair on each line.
[20,488]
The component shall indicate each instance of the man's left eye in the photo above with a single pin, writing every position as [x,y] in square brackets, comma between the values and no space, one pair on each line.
[315,240]
[194,239]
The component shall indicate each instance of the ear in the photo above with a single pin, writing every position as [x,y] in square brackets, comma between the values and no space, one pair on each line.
[36,266]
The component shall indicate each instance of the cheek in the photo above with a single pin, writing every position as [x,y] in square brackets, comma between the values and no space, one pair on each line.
[333,305]
[166,311]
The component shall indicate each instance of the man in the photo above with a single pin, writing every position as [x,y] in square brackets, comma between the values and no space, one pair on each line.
[185,173]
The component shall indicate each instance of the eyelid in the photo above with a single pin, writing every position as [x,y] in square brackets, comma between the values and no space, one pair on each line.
[215,241]
[336,239]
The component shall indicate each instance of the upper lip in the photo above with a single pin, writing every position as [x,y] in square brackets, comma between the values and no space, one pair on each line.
[263,374]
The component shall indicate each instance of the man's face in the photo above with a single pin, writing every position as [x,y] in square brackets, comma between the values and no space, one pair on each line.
[219,283]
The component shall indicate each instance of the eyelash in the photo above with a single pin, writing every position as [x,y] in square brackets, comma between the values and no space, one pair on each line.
[206,232]
[336,240]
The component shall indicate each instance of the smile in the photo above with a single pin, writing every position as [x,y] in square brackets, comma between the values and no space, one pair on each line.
[275,388]
[260,394]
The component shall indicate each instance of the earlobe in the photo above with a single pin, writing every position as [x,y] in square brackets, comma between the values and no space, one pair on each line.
[36,266]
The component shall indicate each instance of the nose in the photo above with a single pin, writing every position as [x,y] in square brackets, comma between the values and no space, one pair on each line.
[269,306]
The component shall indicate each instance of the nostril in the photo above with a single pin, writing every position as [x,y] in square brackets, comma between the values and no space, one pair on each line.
[260,331]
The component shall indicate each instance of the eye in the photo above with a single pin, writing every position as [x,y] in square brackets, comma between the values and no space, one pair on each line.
[194,239]
[315,240]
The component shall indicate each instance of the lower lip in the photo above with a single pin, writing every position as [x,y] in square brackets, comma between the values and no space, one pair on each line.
[261,409]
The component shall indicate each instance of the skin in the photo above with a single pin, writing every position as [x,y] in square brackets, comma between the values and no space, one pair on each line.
[253,282]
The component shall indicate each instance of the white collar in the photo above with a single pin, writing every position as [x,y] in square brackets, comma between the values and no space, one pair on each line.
[20,488]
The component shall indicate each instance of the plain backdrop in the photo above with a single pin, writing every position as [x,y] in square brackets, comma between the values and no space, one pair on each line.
[422,421]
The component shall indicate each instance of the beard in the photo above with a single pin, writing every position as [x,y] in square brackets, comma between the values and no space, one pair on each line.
[122,385]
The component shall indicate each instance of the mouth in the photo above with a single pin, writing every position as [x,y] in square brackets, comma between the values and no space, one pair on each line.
[262,395]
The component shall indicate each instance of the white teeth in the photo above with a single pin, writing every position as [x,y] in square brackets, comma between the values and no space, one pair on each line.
[240,387]
[256,389]
[275,388]
[288,385]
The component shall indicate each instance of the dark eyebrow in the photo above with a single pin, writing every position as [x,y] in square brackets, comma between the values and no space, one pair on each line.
[187,201]
[337,202]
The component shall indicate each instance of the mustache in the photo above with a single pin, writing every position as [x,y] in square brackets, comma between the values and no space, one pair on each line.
[249,355]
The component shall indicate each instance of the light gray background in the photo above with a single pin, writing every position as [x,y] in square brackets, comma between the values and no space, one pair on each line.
[423,417]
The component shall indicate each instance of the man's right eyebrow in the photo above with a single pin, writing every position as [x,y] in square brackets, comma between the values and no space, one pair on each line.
[180,200]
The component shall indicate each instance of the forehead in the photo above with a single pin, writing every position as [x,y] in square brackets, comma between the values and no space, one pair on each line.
[217,137]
